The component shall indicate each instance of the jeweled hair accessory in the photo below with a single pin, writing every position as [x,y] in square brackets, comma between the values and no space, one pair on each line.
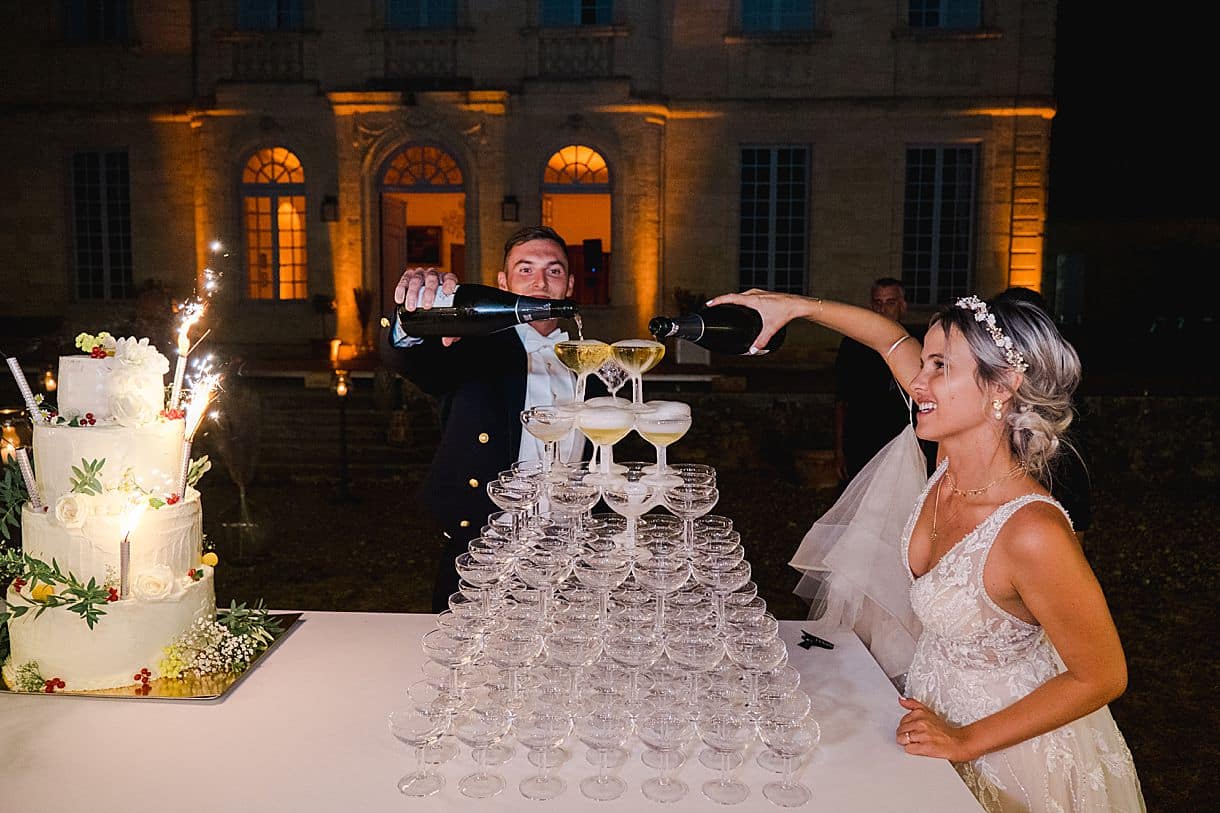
[982,314]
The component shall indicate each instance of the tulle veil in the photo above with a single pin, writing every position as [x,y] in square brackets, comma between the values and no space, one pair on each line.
[851,562]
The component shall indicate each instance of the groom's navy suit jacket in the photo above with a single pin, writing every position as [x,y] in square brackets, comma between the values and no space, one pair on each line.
[480,383]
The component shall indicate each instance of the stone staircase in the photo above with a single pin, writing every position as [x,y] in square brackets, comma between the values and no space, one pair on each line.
[300,439]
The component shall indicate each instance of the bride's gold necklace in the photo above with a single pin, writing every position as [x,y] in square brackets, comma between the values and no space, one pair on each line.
[969,492]
[974,492]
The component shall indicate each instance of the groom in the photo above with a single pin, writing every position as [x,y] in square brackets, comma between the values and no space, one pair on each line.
[483,383]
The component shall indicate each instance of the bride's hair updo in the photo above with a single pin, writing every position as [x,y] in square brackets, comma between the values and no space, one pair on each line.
[1040,411]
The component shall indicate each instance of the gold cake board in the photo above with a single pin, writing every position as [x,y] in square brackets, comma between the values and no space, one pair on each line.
[193,687]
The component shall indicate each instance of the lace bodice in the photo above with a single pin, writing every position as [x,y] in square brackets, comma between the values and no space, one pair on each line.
[974,659]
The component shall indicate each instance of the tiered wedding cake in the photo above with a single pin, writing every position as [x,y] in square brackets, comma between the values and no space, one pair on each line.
[109,461]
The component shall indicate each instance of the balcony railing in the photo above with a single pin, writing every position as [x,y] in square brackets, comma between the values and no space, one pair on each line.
[577,53]
[270,57]
[421,54]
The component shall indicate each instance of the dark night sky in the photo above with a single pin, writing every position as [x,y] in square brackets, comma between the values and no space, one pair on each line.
[1130,138]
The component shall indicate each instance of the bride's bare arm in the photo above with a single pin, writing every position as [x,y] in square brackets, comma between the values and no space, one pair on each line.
[1041,560]
[869,328]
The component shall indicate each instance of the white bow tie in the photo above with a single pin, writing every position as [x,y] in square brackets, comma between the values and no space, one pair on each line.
[535,341]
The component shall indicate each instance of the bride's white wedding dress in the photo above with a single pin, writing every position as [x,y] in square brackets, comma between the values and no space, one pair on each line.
[973,659]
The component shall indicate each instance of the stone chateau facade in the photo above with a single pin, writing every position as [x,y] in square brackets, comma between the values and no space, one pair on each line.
[683,148]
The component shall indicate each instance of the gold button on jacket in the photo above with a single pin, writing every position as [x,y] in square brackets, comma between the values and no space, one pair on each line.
[474,483]
[484,437]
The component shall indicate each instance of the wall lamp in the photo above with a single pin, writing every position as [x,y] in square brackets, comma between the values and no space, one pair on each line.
[329,209]
[510,209]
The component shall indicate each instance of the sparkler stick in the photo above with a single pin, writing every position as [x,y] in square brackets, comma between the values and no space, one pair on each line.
[31,405]
[131,518]
[191,313]
[201,396]
[27,474]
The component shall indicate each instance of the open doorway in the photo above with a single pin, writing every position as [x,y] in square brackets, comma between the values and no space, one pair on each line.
[576,203]
[423,215]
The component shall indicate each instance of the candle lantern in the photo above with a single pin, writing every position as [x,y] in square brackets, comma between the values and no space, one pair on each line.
[15,432]
[48,380]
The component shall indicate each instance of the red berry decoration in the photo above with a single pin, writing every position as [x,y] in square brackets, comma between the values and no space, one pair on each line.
[112,594]
[173,499]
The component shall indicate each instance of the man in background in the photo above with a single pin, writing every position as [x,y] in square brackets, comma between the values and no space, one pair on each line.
[869,406]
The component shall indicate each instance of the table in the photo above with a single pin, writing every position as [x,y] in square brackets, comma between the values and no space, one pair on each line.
[306,731]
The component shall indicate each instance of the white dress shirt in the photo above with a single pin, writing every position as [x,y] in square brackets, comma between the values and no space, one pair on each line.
[547,382]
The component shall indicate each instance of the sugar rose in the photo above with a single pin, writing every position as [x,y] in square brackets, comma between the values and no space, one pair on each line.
[71,510]
[154,584]
[132,408]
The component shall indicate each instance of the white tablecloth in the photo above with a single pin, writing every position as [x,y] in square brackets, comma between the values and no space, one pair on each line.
[306,731]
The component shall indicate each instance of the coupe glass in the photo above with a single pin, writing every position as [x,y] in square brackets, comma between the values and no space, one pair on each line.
[604,426]
[605,730]
[637,356]
[698,649]
[571,499]
[634,648]
[631,495]
[695,474]
[663,423]
[665,732]
[582,356]
[542,728]
[791,705]
[482,575]
[418,730]
[690,501]
[550,424]
[517,495]
[721,577]
[575,646]
[727,730]
[544,571]
[791,741]
[512,649]
[755,655]
[662,575]
[602,572]
[480,728]
[452,650]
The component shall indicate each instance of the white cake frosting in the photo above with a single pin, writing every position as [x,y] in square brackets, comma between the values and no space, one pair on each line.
[82,532]
[128,387]
[171,536]
[131,636]
[150,454]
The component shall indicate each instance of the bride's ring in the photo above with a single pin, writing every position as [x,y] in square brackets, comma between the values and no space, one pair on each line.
[908,738]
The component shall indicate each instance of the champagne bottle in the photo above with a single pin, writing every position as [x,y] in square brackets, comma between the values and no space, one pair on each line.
[477,310]
[728,329]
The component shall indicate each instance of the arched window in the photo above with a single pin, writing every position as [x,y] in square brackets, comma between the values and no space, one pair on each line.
[577,165]
[423,168]
[576,203]
[273,201]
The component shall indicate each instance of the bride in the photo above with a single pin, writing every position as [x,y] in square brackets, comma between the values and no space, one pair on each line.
[1018,655]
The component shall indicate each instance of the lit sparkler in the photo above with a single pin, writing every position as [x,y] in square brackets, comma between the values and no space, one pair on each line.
[131,518]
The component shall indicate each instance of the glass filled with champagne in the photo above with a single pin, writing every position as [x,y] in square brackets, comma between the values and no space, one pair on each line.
[637,356]
[582,356]
[604,426]
[663,423]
